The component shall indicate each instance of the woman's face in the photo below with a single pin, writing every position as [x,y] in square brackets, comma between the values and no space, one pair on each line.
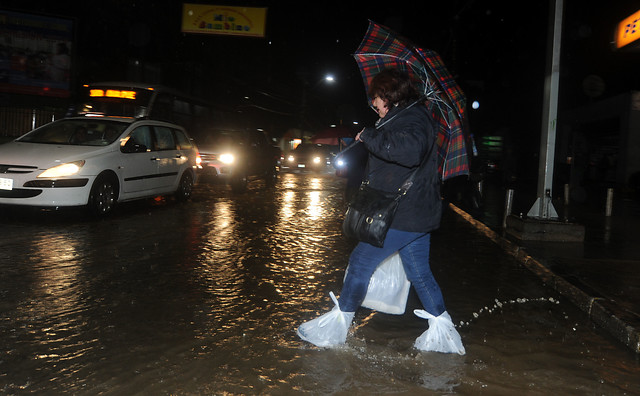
[380,106]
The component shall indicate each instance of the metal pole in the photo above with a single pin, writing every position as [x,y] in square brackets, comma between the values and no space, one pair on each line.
[543,208]
[508,205]
[609,207]
[567,200]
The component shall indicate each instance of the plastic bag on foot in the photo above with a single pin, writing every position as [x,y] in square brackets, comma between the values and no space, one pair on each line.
[441,336]
[329,329]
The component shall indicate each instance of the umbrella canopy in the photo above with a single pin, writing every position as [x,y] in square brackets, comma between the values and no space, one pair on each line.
[382,48]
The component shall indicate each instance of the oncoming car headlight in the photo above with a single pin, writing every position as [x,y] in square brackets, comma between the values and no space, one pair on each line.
[316,160]
[67,169]
[227,158]
[291,158]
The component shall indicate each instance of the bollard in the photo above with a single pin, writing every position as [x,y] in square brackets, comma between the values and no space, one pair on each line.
[507,207]
[609,207]
[565,211]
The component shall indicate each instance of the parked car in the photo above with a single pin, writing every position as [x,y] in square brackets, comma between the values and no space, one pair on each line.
[97,162]
[311,156]
[235,157]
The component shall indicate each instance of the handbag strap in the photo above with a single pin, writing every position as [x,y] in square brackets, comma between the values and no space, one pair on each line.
[409,180]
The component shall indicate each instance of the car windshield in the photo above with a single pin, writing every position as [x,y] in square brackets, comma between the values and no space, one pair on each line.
[91,132]
[219,139]
[313,149]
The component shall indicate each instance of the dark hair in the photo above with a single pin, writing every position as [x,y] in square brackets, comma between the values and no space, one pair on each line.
[393,86]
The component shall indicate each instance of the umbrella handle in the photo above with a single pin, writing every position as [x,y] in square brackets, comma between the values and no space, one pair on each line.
[350,146]
[355,142]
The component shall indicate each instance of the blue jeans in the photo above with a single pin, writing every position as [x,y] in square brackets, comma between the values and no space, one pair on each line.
[414,252]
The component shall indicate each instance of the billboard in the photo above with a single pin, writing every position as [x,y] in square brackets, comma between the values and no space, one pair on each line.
[224,20]
[35,54]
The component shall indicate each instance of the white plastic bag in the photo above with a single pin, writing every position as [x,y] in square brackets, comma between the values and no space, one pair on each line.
[441,336]
[388,288]
[328,330]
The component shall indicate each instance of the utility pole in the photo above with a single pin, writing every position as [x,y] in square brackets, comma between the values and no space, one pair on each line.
[543,207]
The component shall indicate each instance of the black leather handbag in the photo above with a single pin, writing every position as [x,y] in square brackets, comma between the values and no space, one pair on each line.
[370,214]
[370,211]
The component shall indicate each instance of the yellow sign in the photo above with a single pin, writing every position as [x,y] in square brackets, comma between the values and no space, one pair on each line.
[112,93]
[225,20]
[628,30]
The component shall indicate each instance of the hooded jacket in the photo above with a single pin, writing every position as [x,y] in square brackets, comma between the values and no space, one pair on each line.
[396,147]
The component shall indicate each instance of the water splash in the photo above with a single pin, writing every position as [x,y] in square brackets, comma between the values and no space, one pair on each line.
[501,304]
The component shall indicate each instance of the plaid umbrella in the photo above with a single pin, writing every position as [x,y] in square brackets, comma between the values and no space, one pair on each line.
[381,48]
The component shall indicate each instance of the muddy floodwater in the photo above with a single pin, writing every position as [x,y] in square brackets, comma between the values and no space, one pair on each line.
[204,297]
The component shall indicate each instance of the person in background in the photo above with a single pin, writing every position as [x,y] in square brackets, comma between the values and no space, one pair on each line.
[356,160]
[60,64]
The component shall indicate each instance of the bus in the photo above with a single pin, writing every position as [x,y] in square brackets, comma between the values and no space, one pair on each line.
[136,100]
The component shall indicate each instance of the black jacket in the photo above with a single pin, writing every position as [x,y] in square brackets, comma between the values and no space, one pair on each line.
[396,148]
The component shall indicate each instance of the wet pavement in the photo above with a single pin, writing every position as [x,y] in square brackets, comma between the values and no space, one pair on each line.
[601,275]
[204,298]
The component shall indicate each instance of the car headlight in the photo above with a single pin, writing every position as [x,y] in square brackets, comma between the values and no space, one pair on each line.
[67,169]
[340,163]
[290,158]
[316,160]
[227,158]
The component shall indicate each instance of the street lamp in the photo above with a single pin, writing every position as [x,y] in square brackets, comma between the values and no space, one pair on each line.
[307,89]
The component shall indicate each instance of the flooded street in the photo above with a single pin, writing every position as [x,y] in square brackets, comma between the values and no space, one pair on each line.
[204,298]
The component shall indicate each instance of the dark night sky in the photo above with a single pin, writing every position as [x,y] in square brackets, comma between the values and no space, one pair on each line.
[496,49]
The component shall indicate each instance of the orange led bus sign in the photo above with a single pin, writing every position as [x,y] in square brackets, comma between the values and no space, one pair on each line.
[112,93]
[628,30]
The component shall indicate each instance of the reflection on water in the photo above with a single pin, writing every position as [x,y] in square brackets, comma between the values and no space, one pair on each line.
[204,298]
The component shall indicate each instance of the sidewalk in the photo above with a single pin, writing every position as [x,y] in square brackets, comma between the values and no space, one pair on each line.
[600,275]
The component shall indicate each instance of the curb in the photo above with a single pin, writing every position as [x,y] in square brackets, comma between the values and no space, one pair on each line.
[600,315]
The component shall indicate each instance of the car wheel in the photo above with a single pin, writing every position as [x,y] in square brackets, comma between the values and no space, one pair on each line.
[104,194]
[185,188]
[239,183]
[271,176]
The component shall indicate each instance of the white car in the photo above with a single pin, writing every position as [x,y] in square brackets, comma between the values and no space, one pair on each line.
[97,162]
